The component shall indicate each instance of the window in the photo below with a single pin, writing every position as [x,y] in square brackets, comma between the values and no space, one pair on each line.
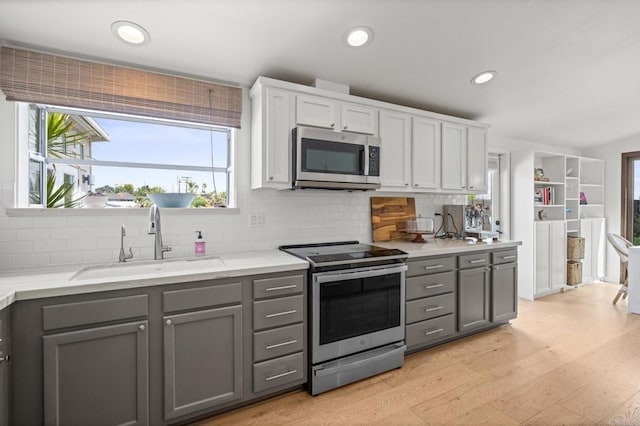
[90,159]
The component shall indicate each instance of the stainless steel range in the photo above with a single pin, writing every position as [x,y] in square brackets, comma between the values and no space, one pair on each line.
[356,308]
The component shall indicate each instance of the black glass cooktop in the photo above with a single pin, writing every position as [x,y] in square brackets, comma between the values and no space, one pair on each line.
[346,252]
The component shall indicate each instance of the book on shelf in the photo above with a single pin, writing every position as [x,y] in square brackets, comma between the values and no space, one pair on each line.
[544,196]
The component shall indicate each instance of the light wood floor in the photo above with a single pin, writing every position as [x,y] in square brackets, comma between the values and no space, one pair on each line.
[570,358]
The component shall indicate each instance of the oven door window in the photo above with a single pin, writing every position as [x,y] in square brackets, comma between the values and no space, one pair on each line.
[332,157]
[356,307]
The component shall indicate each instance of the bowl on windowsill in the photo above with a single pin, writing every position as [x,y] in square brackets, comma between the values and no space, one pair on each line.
[172,199]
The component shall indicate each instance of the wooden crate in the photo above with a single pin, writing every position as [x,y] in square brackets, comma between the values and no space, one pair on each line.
[574,272]
[575,248]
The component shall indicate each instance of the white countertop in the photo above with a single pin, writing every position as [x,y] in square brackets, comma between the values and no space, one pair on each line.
[438,246]
[57,281]
[38,283]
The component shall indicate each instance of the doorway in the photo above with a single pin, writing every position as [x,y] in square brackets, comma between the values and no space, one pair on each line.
[630,201]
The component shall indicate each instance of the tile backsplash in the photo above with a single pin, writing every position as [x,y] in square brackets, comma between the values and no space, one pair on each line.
[289,217]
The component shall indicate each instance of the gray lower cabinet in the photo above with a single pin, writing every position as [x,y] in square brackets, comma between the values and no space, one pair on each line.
[97,376]
[504,292]
[5,348]
[473,299]
[202,360]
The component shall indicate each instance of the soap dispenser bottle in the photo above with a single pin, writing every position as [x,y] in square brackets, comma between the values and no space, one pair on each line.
[200,246]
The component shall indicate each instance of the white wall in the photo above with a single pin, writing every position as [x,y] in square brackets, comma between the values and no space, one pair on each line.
[55,238]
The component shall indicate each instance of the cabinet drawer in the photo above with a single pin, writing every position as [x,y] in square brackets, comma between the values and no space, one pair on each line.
[94,311]
[430,307]
[473,260]
[430,266]
[282,286]
[504,256]
[277,342]
[430,285]
[202,297]
[277,312]
[279,371]
[432,330]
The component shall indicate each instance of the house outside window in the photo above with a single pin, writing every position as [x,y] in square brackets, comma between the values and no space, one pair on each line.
[90,159]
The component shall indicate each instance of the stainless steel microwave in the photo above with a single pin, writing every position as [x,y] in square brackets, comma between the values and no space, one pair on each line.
[333,160]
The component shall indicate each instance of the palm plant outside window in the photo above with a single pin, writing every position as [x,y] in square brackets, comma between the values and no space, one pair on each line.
[80,158]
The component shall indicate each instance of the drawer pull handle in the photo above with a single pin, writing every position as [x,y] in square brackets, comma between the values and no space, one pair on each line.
[279,314]
[284,287]
[433,286]
[509,257]
[433,267]
[277,345]
[478,261]
[277,376]
[436,308]
[434,331]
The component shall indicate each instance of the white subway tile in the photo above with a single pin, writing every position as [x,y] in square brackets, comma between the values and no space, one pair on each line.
[81,244]
[16,247]
[66,233]
[32,260]
[66,257]
[7,262]
[50,222]
[33,234]
[97,256]
[7,235]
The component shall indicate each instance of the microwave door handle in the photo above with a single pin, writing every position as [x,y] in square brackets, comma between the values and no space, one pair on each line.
[365,159]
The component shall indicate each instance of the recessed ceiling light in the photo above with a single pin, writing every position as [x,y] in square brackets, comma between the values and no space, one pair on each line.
[359,36]
[483,77]
[130,33]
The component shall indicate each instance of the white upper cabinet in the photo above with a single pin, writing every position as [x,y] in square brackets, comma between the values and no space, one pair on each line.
[317,112]
[395,152]
[271,139]
[477,153]
[359,119]
[454,157]
[420,151]
[326,113]
[425,154]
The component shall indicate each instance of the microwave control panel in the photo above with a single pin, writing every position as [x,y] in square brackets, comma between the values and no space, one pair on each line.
[374,161]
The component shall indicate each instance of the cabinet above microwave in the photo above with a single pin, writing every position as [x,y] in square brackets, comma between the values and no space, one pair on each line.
[412,160]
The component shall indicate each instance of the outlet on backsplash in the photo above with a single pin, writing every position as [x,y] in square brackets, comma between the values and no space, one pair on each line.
[256,220]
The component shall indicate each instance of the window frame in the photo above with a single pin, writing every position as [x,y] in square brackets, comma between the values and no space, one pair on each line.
[22,199]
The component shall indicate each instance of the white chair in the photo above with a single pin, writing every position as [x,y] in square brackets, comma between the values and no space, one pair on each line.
[621,246]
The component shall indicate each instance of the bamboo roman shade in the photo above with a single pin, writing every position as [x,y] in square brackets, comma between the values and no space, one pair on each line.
[41,78]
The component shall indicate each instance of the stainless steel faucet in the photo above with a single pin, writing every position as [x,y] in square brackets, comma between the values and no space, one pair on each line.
[155,228]
[123,256]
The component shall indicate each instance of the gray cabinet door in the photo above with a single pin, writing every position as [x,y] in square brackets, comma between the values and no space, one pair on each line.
[473,299]
[98,376]
[202,360]
[4,367]
[504,292]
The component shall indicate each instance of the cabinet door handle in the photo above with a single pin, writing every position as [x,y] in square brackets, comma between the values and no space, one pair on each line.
[141,327]
[478,261]
[169,322]
[433,286]
[415,184]
[277,345]
[277,376]
[333,125]
[5,358]
[433,267]
[279,314]
[284,287]
[270,177]
[508,257]
[434,331]
[436,308]
[346,127]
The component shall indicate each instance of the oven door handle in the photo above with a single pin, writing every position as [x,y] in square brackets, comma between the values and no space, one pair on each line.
[349,275]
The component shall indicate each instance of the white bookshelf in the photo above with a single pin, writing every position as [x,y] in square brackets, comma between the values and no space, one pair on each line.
[569,176]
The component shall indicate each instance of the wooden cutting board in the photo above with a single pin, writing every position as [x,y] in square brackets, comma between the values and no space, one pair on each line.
[388,217]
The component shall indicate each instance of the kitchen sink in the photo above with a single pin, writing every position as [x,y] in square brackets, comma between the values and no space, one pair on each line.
[118,270]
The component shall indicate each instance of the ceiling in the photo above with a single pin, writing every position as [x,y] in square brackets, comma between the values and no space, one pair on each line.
[568,71]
